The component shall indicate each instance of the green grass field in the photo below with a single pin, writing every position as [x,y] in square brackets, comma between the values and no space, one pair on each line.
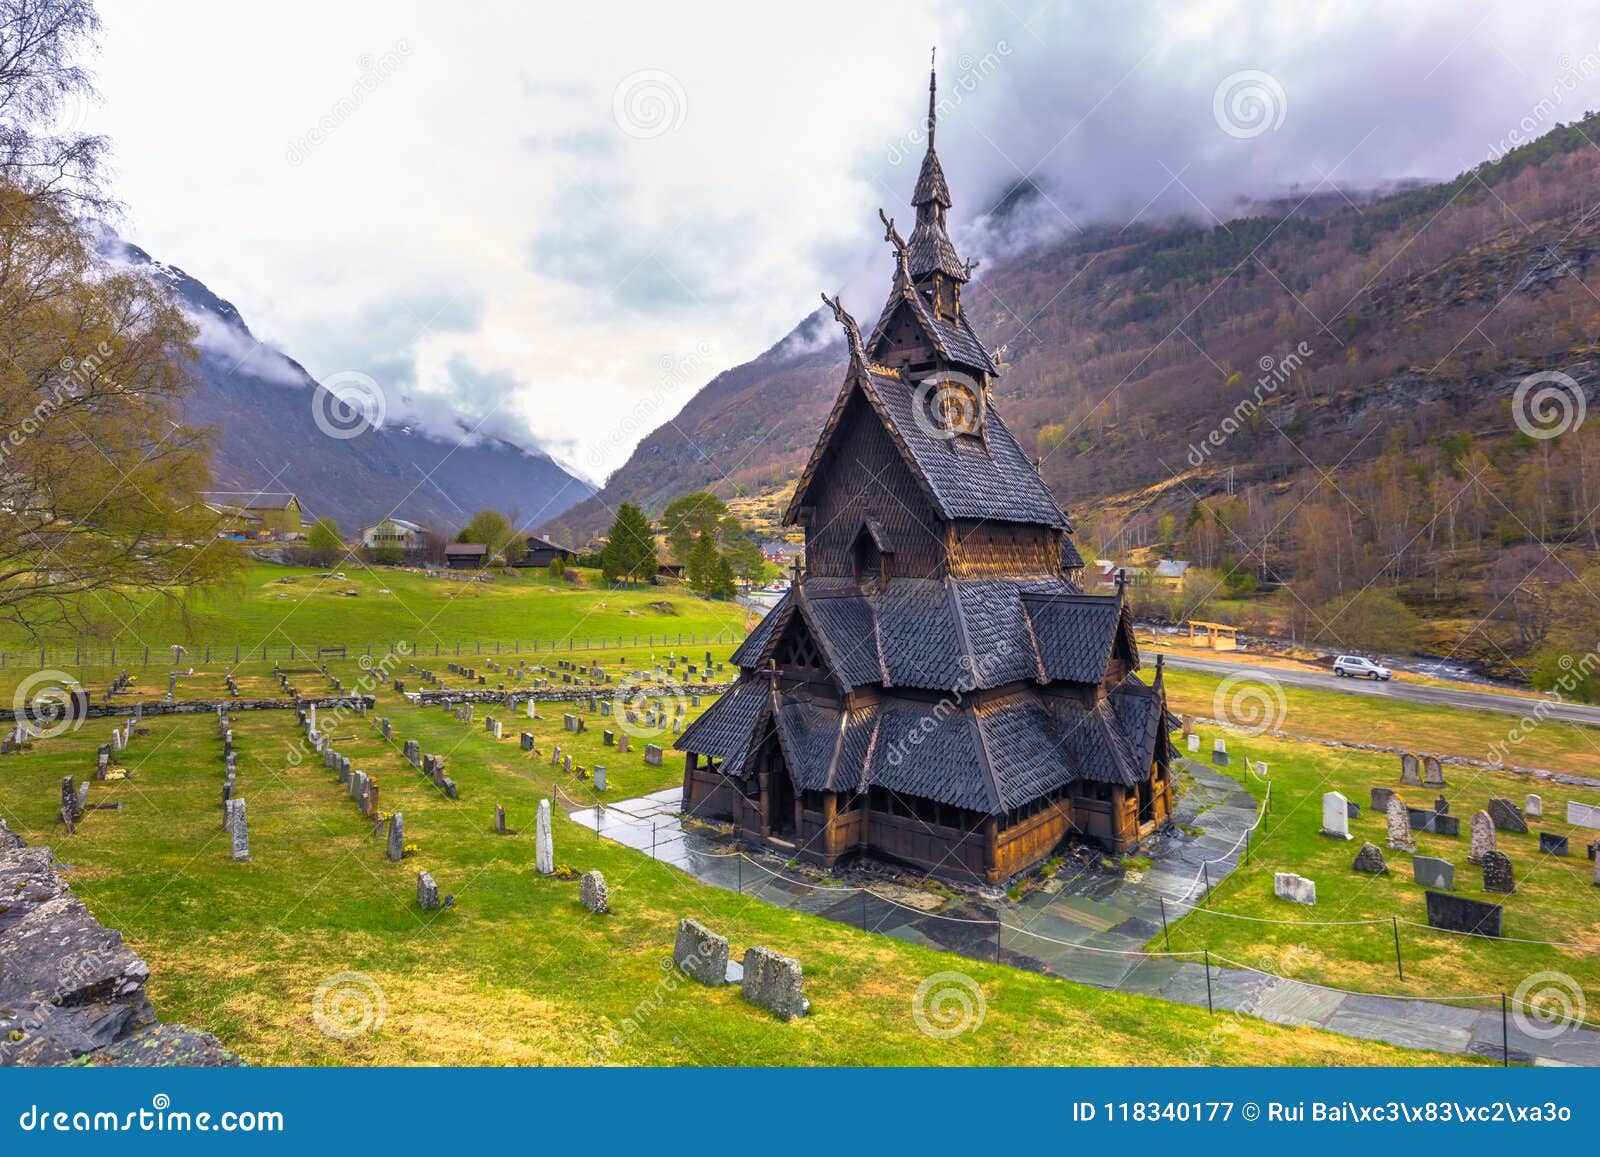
[1555,898]
[278,605]
[518,971]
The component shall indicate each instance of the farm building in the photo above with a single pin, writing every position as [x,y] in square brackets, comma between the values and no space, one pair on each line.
[935,689]
[466,555]
[272,514]
[543,552]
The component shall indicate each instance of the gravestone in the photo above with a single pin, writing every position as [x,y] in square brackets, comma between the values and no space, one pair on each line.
[1410,770]
[527,741]
[608,737]
[1497,876]
[622,742]
[1352,810]
[496,729]
[774,982]
[1482,837]
[1433,772]
[544,848]
[1399,826]
[1370,859]
[1533,807]
[1219,752]
[241,831]
[1381,797]
[700,953]
[1433,873]
[1194,745]
[1583,815]
[1441,805]
[1335,816]
[1459,914]
[599,778]
[427,892]
[1552,845]
[652,754]
[1507,816]
[592,893]
[396,849]
[1296,889]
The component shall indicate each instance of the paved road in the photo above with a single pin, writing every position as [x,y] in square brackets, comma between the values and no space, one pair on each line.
[1406,692]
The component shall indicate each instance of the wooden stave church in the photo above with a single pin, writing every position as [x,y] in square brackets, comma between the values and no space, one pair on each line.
[935,689]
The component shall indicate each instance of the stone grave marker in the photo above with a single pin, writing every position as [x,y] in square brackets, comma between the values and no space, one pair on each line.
[1552,845]
[1219,752]
[544,848]
[1507,816]
[1497,875]
[1533,807]
[1194,745]
[592,893]
[1296,889]
[240,830]
[527,741]
[652,754]
[499,819]
[1370,859]
[396,848]
[1459,914]
[1381,797]
[1335,816]
[1441,805]
[774,982]
[1433,772]
[700,953]
[599,778]
[427,892]
[1482,837]
[1431,872]
[1583,815]
[1410,774]
[1399,826]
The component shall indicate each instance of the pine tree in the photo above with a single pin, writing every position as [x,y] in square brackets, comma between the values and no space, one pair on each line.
[630,551]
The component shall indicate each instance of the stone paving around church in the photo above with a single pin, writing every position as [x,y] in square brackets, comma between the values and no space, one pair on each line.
[1093,928]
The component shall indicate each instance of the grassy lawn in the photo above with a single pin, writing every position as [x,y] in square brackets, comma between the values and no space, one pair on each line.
[279,605]
[1424,729]
[1555,899]
[518,972]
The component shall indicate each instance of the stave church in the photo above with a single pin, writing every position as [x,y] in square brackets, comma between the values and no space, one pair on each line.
[935,689]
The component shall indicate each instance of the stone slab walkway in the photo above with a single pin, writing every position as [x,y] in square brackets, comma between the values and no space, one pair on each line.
[1091,928]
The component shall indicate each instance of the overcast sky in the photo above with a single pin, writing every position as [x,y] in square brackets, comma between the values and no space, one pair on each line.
[561,220]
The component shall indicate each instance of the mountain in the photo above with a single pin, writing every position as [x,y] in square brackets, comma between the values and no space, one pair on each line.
[266,407]
[1321,335]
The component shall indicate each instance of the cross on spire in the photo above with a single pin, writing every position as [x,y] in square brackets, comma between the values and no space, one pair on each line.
[933,83]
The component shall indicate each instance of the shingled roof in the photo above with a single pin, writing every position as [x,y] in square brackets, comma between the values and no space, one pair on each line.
[954,339]
[944,634]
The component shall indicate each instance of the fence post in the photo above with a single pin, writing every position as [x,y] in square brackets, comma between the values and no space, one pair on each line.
[1398,963]
[1505,1035]
[1164,933]
[1206,872]
[1209,1008]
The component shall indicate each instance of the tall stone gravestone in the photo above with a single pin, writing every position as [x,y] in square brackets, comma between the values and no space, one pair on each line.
[544,848]
[1497,876]
[1410,774]
[1399,826]
[1335,816]
[1482,837]
[1433,772]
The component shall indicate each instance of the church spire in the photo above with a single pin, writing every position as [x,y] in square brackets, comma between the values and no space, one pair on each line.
[933,84]
[935,266]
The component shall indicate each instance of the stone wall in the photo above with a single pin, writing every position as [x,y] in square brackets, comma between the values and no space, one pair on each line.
[69,987]
[151,707]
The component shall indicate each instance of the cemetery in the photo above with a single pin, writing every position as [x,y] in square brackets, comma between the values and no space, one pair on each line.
[489,948]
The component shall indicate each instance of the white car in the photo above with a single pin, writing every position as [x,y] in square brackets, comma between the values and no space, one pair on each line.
[1354,666]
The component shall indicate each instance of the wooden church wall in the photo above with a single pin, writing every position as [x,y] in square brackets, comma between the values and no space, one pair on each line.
[863,476]
[984,549]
